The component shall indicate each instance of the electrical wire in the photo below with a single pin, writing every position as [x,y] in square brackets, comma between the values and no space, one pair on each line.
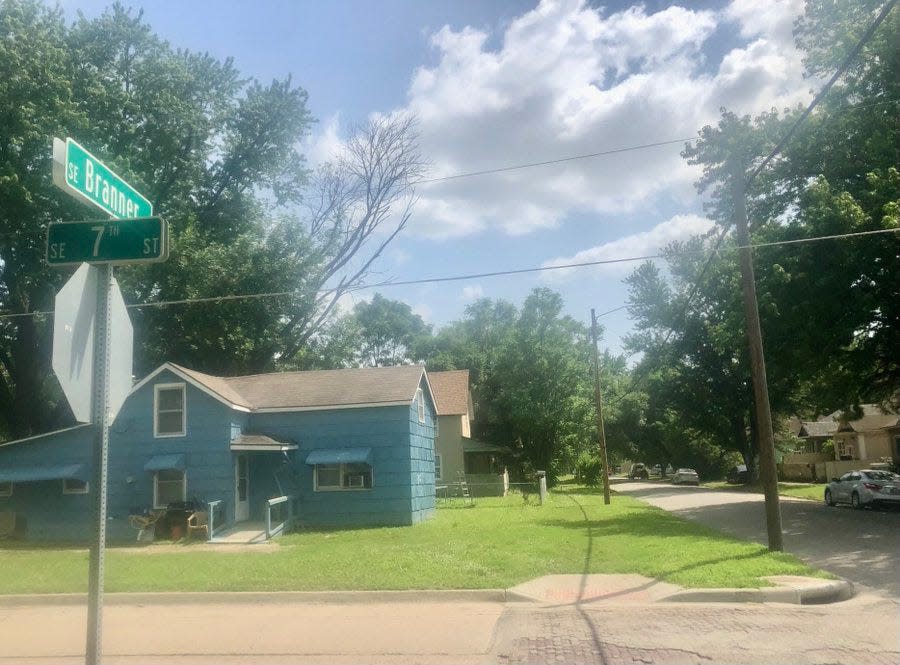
[497,273]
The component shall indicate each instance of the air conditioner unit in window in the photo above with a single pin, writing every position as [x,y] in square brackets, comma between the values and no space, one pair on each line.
[357,480]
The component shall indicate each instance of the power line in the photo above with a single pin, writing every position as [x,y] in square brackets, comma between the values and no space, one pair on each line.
[504,169]
[496,273]
[818,98]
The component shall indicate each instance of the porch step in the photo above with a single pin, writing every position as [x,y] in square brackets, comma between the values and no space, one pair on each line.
[242,533]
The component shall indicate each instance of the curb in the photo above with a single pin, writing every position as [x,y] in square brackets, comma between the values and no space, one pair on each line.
[828,591]
[816,593]
[274,597]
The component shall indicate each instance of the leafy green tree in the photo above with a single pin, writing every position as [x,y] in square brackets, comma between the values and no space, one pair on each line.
[531,378]
[217,153]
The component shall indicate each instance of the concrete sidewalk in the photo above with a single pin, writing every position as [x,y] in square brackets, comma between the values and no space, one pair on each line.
[396,632]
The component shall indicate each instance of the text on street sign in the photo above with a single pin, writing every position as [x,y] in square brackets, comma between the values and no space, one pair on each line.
[80,174]
[108,241]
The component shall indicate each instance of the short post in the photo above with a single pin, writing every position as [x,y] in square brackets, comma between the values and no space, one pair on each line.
[542,485]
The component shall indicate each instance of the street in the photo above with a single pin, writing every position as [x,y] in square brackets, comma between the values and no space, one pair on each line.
[863,631]
[861,546]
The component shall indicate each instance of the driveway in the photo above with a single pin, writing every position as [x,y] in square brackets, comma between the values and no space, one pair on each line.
[861,546]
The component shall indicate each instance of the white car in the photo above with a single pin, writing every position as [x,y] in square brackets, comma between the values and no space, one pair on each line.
[685,476]
[864,487]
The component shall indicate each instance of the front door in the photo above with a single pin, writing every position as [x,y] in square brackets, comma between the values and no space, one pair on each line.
[241,488]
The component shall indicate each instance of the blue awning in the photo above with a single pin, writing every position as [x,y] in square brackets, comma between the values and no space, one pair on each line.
[24,474]
[340,456]
[165,463]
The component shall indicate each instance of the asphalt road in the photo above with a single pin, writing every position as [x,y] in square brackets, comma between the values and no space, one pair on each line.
[862,546]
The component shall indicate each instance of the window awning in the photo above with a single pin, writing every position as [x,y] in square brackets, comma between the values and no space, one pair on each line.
[165,463]
[26,474]
[340,456]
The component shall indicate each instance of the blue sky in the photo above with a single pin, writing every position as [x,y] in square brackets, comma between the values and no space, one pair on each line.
[502,82]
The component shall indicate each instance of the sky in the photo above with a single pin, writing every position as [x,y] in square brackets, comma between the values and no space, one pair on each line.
[497,83]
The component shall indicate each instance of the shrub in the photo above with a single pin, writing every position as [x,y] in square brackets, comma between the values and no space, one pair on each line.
[588,469]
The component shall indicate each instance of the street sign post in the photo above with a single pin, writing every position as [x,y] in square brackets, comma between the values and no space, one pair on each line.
[78,173]
[108,241]
[133,236]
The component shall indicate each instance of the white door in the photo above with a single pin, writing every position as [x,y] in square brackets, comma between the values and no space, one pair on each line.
[241,488]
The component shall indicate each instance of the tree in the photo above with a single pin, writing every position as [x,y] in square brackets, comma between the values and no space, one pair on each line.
[531,378]
[218,155]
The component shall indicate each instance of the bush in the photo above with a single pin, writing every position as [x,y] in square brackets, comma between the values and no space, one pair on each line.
[588,469]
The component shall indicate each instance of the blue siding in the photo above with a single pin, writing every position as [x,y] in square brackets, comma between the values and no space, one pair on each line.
[421,449]
[48,513]
[209,463]
[383,429]
[402,491]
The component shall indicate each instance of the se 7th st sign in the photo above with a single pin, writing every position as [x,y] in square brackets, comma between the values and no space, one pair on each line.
[111,241]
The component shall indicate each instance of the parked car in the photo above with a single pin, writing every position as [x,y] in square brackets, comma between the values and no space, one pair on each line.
[685,477]
[737,475]
[656,470]
[864,488]
[639,471]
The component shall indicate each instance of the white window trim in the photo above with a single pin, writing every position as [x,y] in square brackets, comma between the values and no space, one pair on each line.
[439,465]
[6,489]
[340,488]
[156,488]
[420,404]
[79,490]
[169,386]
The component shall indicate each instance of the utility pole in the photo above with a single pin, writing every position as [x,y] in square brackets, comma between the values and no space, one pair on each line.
[598,397]
[762,412]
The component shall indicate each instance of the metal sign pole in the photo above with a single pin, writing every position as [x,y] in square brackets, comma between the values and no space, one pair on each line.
[100,408]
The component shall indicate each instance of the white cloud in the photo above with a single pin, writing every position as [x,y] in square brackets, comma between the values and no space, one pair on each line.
[325,145]
[424,311]
[473,292]
[568,79]
[647,243]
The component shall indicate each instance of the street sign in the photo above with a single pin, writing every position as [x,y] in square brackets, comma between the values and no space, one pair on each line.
[109,241]
[78,173]
[73,339]
[74,322]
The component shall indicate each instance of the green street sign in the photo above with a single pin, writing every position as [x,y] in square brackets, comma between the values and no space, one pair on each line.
[78,173]
[108,241]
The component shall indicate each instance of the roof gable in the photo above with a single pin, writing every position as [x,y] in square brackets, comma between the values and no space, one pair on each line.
[451,392]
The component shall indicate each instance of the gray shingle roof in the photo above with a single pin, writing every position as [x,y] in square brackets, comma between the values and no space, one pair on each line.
[317,389]
[818,428]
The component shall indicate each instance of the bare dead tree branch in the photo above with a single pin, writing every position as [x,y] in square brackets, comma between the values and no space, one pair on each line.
[353,213]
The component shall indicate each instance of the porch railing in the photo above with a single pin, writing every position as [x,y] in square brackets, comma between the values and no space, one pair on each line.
[216,512]
[279,515]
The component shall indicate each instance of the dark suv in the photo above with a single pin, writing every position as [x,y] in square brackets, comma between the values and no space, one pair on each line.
[639,471]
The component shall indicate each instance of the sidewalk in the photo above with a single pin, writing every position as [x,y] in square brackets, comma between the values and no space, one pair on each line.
[387,627]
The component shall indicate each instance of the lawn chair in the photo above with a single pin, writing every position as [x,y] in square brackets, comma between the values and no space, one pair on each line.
[198,521]
[146,525]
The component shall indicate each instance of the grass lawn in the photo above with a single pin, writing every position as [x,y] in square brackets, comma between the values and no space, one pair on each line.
[498,543]
[812,491]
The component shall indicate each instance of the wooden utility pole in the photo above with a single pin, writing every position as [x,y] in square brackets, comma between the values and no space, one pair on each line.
[599,400]
[762,413]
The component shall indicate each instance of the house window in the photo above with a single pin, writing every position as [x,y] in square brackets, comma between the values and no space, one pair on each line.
[169,410]
[74,486]
[340,477]
[169,486]
[437,466]
[420,404]
[6,489]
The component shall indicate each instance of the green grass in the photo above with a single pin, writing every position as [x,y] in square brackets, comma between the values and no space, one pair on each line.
[811,491]
[498,543]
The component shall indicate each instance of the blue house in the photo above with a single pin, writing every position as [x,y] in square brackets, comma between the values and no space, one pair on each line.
[350,446]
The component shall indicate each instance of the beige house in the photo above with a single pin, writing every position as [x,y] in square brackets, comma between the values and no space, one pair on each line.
[872,439]
[458,458]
